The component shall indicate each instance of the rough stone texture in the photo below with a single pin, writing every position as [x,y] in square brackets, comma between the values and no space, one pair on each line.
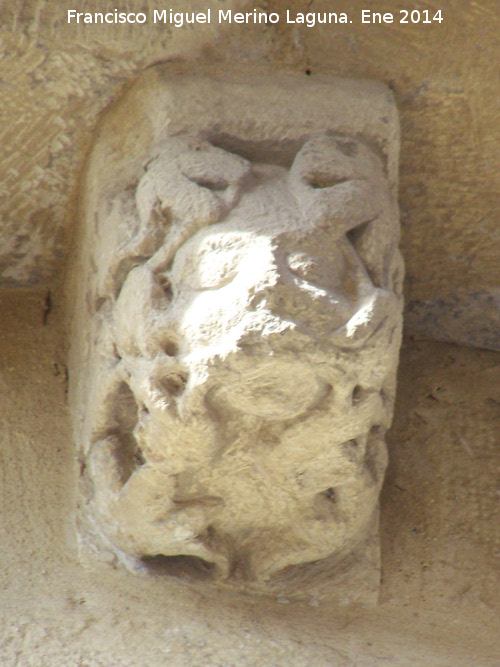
[440,529]
[57,77]
[237,328]
[468,319]
[440,591]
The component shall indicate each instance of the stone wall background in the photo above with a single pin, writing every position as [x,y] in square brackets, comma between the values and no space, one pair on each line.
[439,603]
[440,532]
[55,78]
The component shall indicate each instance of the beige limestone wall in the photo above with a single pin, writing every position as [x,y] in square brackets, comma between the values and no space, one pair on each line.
[55,79]
[440,594]
[439,602]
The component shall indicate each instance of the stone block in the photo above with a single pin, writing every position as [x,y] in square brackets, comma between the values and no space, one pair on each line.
[236,330]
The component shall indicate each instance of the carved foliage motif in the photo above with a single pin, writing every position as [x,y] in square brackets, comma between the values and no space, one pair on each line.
[246,328]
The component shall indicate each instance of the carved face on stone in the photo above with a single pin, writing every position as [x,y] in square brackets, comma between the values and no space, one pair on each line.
[251,315]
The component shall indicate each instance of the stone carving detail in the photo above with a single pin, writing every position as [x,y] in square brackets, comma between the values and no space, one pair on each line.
[240,373]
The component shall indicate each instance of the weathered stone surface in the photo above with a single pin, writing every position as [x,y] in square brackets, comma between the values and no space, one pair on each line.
[466,319]
[237,327]
[57,77]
